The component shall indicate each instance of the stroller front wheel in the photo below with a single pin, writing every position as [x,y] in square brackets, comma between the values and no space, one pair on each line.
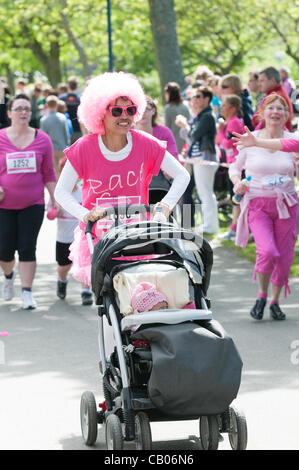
[88,416]
[114,435]
[143,435]
[209,432]
[238,429]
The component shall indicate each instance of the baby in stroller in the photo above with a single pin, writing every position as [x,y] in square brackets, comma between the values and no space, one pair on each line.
[146,298]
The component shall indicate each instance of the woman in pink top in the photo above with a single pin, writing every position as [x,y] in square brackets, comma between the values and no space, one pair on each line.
[148,123]
[270,207]
[115,162]
[26,168]
[230,110]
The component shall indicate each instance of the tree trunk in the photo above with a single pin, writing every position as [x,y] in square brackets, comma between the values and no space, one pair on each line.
[52,66]
[50,61]
[168,56]
[10,78]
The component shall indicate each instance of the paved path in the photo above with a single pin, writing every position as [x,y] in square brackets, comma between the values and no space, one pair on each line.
[51,357]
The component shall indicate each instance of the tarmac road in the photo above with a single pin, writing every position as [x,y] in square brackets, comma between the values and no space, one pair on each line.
[50,357]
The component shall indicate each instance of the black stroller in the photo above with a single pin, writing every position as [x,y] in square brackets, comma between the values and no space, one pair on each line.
[185,366]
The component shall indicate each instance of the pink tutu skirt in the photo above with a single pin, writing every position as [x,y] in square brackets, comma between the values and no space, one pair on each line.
[80,257]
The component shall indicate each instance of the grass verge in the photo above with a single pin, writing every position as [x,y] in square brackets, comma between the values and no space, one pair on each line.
[249,254]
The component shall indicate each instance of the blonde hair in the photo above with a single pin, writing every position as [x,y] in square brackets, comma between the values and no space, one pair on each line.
[233,81]
[203,73]
[52,101]
[270,99]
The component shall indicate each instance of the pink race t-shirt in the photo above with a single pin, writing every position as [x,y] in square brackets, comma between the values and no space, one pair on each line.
[235,124]
[109,183]
[165,134]
[24,172]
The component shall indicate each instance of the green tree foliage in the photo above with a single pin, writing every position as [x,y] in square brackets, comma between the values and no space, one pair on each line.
[63,37]
[222,34]
[283,19]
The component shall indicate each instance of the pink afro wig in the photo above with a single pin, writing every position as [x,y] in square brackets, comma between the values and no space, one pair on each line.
[105,89]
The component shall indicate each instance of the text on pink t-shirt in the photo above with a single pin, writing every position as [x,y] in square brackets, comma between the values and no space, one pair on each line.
[118,182]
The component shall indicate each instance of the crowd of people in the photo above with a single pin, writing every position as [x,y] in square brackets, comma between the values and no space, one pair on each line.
[107,142]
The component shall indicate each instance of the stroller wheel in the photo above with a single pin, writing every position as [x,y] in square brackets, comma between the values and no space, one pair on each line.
[143,435]
[238,429]
[88,416]
[114,435]
[209,432]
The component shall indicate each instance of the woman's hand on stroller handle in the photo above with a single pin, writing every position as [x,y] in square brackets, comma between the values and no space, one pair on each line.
[95,214]
[165,209]
[98,213]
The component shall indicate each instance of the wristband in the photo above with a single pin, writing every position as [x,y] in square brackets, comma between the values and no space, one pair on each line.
[163,204]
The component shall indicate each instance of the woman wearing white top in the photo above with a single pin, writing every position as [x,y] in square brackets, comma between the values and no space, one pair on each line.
[270,207]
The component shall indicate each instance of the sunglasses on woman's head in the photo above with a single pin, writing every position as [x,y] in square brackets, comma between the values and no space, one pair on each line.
[224,87]
[117,111]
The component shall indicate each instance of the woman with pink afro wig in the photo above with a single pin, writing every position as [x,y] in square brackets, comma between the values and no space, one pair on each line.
[114,161]
[105,89]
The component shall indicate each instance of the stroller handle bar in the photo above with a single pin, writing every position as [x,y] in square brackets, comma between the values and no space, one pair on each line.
[117,211]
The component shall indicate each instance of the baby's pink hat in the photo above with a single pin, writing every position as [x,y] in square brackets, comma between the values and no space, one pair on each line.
[145,296]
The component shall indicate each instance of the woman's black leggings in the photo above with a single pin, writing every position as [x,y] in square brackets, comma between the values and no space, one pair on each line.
[19,230]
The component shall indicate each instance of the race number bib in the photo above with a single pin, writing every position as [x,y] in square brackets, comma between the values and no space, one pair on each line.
[275,181]
[21,162]
[107,222]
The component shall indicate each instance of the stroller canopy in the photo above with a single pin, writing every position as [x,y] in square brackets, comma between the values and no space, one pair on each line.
[150,238]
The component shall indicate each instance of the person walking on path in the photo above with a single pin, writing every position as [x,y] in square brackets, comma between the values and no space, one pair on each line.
[231,85]
[270,207]
[230,110]
[287,83]
[66,225]
[4,122]
[56,126]
[72,101]
[254,87]
[148,123]
[114,161]
[26,168]
[202,132]
[174,106]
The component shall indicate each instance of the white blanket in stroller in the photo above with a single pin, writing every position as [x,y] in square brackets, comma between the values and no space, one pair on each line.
[170,281]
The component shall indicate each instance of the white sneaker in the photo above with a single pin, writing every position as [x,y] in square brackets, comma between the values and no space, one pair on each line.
[28,302]
[229,235]
[8,290]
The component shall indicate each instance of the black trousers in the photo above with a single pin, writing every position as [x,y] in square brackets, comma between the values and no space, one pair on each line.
[19,230]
